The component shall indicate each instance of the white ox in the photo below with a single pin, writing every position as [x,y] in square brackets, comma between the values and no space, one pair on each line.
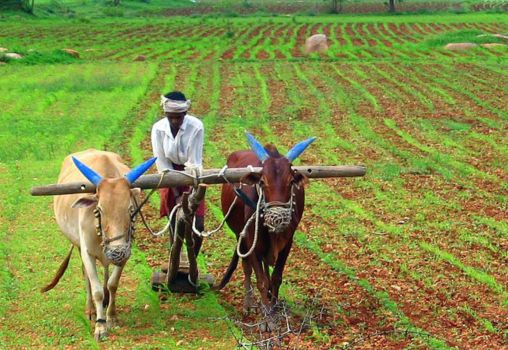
[100,225]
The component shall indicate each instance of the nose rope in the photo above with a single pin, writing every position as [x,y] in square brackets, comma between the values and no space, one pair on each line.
[119,253]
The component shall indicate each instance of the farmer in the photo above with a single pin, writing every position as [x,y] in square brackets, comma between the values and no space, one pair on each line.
[177,142]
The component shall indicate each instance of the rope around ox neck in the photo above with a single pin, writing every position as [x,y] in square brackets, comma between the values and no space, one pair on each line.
[242,235]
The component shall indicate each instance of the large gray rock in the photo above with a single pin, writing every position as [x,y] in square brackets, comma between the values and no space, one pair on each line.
[71,52]
[493,45]
[140,58]
[460,46]
[316,43]
[13,55]
[500,36]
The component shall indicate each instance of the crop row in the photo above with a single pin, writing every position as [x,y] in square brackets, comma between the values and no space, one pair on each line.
[461,280]
[232,40]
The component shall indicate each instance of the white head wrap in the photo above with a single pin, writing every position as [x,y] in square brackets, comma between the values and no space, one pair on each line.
[174,106]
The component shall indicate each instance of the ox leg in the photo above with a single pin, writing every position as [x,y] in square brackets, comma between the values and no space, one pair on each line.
[263,287]
[90,308]
[248,302]
[113,282]
[261,280]
[278,270]
[97,292]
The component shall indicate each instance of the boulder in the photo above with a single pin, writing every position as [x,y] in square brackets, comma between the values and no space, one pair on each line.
[13,55]
[460,46]
[140,58]
[501,36]
[71,52]
[316,43]
[492,45]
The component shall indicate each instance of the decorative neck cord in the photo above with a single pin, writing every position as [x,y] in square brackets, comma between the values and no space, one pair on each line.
[100,233]
[120,253]
[256,216]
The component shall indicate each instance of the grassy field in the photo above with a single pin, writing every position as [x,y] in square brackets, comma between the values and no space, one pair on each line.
[414,255]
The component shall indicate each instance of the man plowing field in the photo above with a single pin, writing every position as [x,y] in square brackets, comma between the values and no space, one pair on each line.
[177,142]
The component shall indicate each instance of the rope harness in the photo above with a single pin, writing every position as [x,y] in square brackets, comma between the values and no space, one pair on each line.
[277,215]
[120,253]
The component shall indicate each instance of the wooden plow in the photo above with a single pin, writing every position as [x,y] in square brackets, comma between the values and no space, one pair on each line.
[185,278]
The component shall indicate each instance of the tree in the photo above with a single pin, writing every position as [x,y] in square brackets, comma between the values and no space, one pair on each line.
[391,6]
[28,6]
[336,6]
[25,5]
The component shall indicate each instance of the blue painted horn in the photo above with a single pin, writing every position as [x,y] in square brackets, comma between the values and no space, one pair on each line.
[139,170]
[258,148]
[91,175]
[299,148]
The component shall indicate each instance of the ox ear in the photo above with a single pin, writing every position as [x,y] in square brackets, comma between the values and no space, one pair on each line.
[85,202]
[257,148]
[136,193]
[251,179]
[139,170]
[300,179]
[91,175]
[299,148]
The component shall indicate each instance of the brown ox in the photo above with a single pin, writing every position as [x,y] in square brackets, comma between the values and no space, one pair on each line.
[280,209]
[99,225]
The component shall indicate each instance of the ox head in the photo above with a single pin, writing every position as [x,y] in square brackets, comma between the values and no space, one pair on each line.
[278,181]
[114,204]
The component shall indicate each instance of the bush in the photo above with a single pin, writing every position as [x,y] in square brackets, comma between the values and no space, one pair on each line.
[32,57]
[113,12]
[462,36]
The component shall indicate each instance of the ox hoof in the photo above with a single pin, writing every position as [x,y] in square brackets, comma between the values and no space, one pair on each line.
[112,322]
[248,308]
[101,332]
[248,304]
[268,326]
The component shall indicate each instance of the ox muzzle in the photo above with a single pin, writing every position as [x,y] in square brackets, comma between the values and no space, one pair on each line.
[118,254]
[278,215]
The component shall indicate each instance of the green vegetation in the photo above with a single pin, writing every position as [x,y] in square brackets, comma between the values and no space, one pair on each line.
[418,245]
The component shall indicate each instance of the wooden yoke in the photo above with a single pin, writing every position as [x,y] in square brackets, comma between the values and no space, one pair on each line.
[208,176]
[183,231]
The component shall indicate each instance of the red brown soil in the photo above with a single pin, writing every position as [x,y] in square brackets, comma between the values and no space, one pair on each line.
[262,55]
[384,30]
[354,37]
[372,30]
[339,34]
[386,278]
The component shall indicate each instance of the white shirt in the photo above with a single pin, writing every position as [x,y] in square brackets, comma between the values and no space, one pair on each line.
[186,148]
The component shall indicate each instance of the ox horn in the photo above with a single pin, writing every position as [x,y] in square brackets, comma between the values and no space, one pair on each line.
[258,148]
[299,148]
[133,175]
[91,175]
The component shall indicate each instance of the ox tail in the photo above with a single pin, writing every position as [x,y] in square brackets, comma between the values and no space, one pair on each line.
[59,273]
[229,272]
